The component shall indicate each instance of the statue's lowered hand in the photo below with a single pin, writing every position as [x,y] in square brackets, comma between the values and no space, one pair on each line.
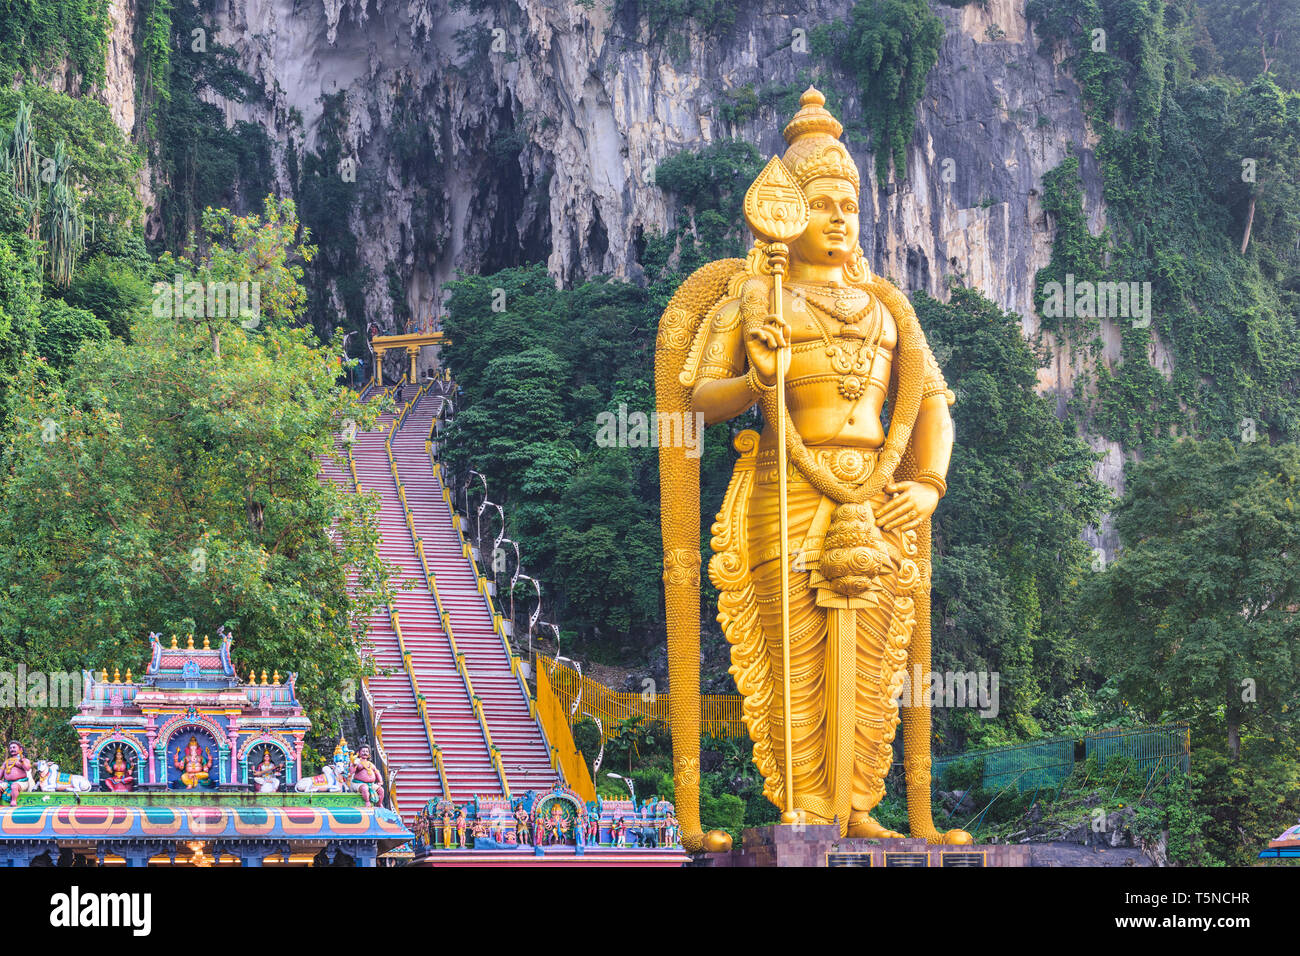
[911,503]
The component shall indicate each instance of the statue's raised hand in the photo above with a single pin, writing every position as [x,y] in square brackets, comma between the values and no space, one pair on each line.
[763,344]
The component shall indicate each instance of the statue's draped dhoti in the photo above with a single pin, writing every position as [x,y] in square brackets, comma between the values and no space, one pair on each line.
[847,654]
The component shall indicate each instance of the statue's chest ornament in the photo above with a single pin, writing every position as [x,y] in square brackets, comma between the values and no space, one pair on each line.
[853,349]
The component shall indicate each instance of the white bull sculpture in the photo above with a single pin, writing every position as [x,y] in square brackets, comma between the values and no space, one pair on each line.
[49,780]
[331,779]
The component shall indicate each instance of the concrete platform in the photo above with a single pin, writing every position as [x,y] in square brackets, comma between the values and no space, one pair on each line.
[822,846]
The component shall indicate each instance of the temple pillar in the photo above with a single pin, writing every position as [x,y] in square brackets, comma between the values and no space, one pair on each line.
[232,731]
[151,734]
[379,366]
[85,756]
[413,351]
[365,854]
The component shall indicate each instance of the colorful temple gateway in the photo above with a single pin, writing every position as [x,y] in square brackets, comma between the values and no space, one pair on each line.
[189,722]
[189,764]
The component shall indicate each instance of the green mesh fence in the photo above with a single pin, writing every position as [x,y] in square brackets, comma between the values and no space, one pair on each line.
[1046,763]
[1153,749]
[1043,763]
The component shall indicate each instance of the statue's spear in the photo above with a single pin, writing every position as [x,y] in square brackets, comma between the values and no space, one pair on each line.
[777,212]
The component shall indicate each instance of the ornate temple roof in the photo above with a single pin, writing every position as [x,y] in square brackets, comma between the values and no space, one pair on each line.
[188,673]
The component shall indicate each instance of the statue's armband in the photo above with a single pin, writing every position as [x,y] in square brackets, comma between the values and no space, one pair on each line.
[933,382]
[723,353]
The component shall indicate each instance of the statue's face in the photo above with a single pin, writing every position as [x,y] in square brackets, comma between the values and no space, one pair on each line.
[832,233]
[364,753]
[14,750]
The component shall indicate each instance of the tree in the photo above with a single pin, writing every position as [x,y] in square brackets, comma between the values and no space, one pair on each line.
[1256,36]
[1196,617]
[163,485]
[256,276]
[1268,141]
[1008,556]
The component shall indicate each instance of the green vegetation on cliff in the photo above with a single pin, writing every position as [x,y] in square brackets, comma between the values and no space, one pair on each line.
[888,47]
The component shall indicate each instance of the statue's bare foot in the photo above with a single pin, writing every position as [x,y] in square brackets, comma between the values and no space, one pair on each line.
[950,838]
[864,825]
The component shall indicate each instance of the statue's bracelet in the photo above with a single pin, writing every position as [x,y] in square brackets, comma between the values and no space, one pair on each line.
[935,480]
[754,383]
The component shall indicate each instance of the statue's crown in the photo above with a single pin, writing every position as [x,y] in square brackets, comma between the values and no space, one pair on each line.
[815,149]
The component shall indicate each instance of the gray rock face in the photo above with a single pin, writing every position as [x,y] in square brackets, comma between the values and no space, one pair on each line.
[546,119]
[589,105]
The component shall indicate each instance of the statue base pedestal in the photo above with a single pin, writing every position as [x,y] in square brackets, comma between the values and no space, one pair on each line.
[822,845]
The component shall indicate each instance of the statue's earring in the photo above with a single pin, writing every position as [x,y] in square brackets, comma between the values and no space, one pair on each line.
[856,269]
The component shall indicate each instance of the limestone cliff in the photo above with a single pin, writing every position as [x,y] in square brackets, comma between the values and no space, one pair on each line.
[546,118]
[593,103]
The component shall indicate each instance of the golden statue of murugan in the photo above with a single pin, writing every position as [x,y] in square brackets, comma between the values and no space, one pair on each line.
[804,330]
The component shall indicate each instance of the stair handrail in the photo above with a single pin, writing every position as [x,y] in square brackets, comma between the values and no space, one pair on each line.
[476,705]
[367,698]
[377,736]
[420,704]
[497,627]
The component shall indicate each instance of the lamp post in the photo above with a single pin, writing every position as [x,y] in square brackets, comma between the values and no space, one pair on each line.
[631,787]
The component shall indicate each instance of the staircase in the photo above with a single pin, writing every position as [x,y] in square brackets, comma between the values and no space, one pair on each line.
[438,738]
[512,728]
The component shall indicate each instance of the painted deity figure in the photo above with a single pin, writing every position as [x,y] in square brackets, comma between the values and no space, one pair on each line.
[462,822]
[420,827]
[558,827]
[15,774]
[857,509]
[193,762]
[120,779]
[521,825]
[266,774]
[446,828]
[366,779]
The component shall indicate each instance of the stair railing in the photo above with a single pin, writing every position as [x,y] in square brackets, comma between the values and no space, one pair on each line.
[420,704]
[476,703]
[369,716]
[497,624]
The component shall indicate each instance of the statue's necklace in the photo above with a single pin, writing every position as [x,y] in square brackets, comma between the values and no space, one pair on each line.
[850,357]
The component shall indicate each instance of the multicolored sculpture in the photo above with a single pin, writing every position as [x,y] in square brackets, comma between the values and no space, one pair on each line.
[119,778]
[266,775]
[521,825]
[365,778]
[189,690]
[193,763]
[50,780]
[823,541]
[15,774]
